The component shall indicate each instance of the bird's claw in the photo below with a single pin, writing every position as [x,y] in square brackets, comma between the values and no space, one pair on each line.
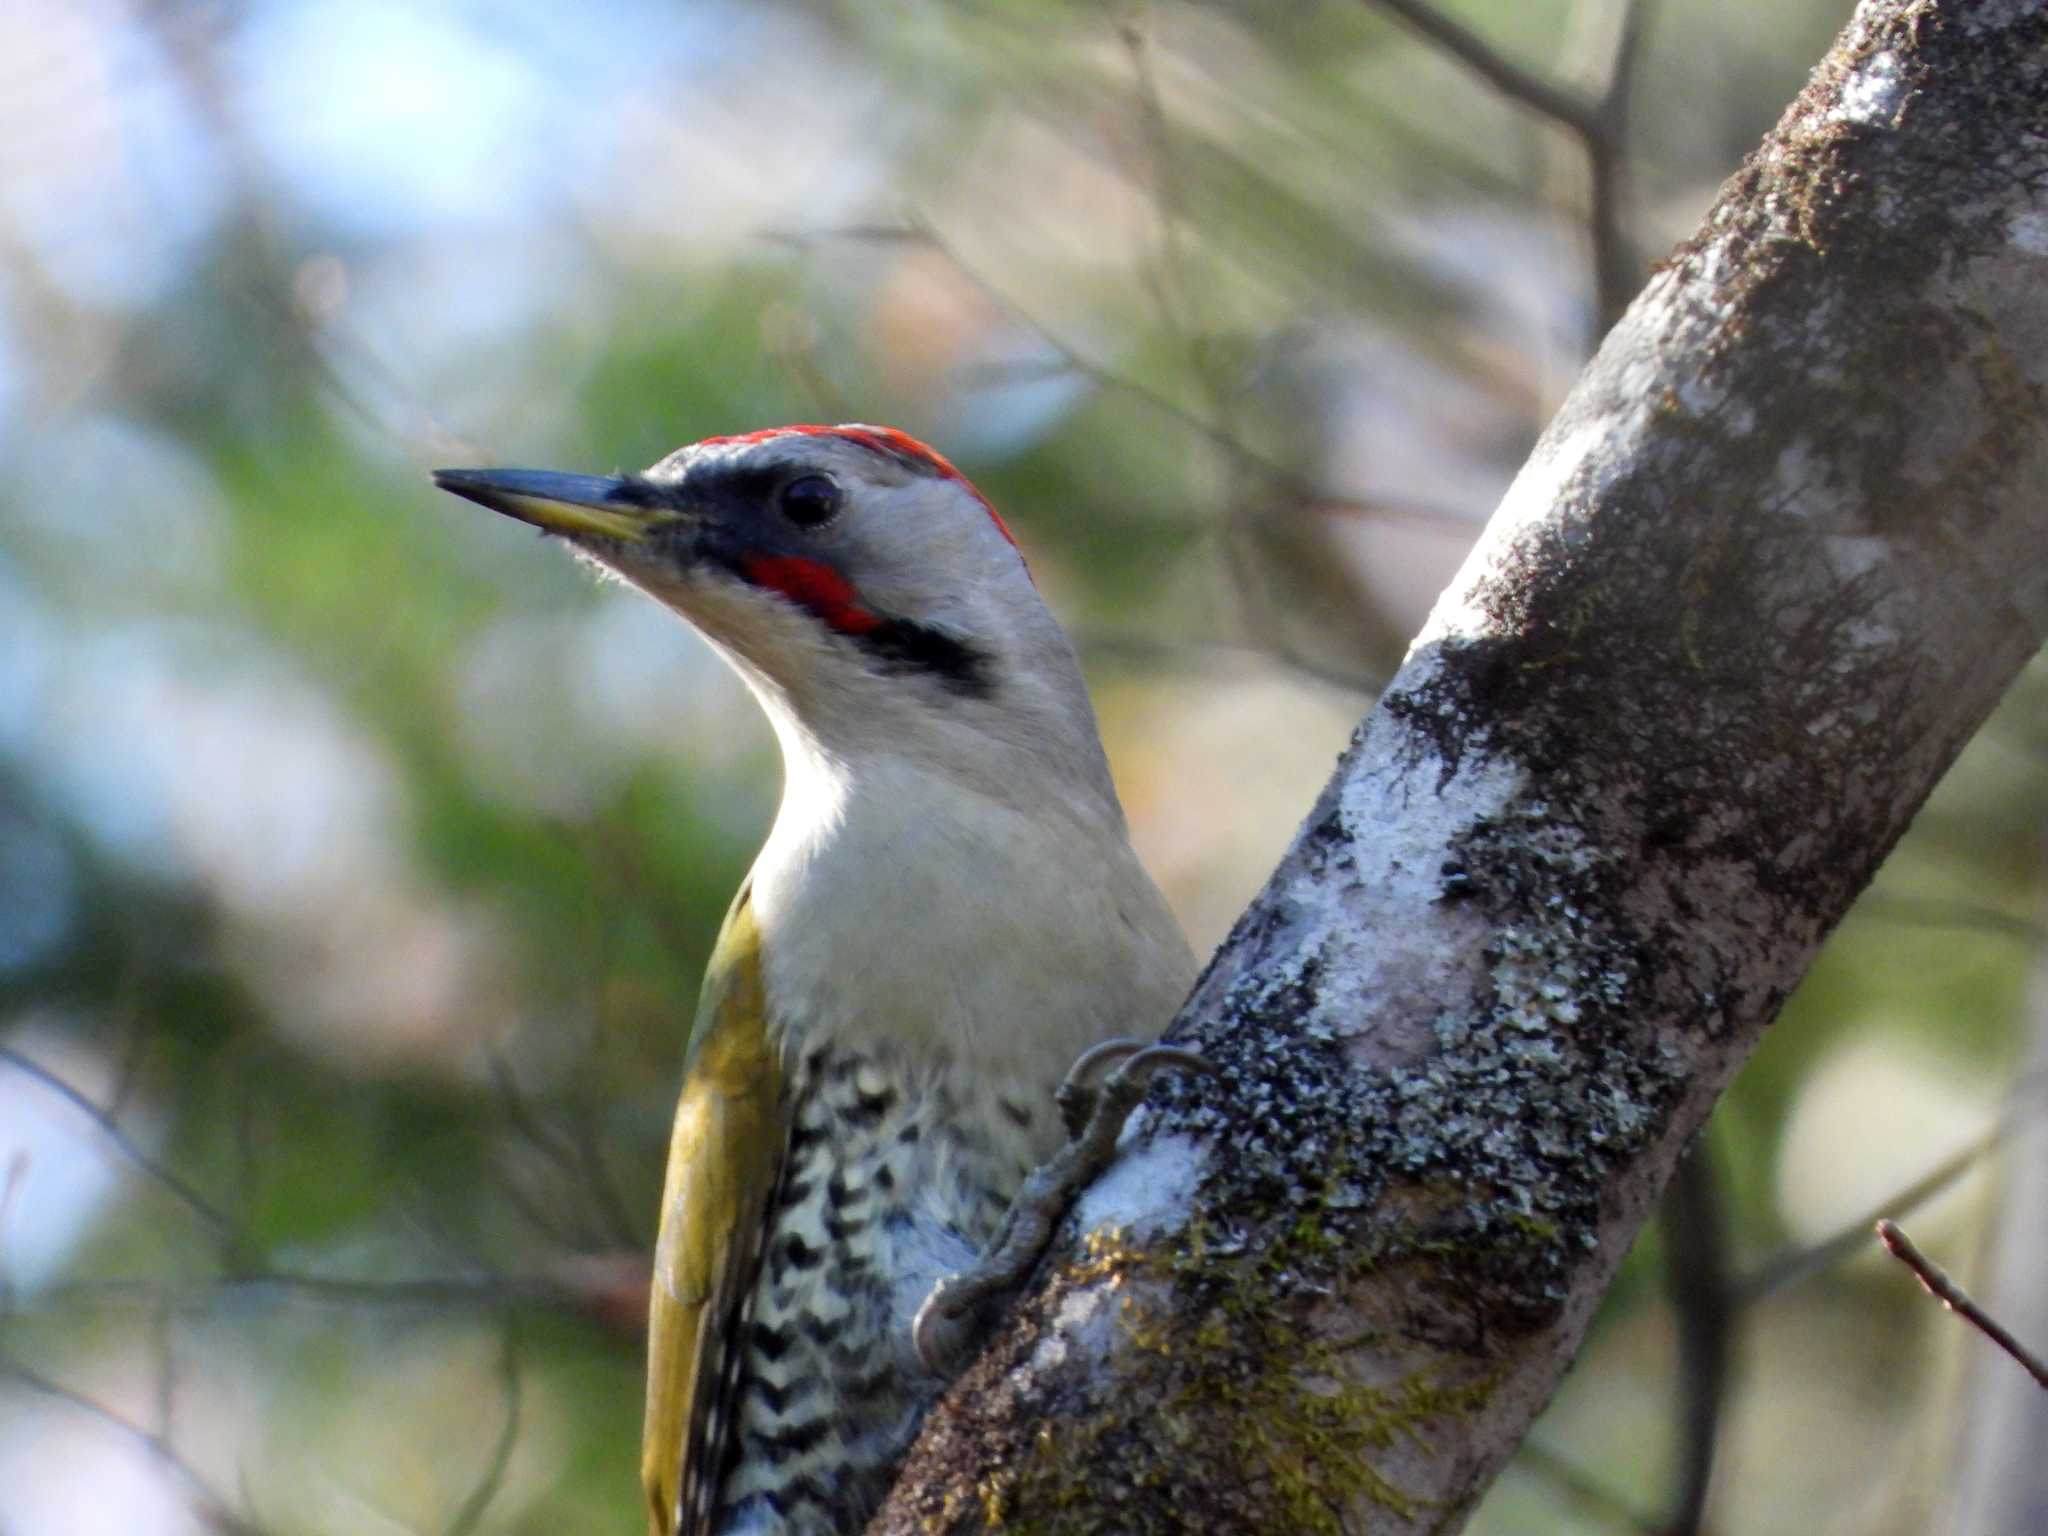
[1095,1117]
[1077,1094]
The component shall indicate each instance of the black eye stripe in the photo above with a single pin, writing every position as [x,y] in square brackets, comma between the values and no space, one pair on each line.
[912,647]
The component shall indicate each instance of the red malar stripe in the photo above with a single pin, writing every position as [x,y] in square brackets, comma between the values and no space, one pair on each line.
[815,587]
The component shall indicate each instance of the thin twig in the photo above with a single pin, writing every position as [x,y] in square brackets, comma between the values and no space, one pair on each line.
[197,62]
[1791,1265]
[1937,1284]
[1539,1460]
[555,1147]
[1579,113]
[598,1182]
[1617,270]
[225,1227]
[493,1478]
[163,1346]
[206,1500]
[132,1020]
[1243,463]
[1973,917]
[1599,123]
[1239,473]
[789,339]
[11,1184]
[1072,359]
[1167,276]
[552,1144]
[1698,1281]
[277,1287]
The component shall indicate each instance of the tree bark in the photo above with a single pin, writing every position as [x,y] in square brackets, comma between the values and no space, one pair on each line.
[1782,549]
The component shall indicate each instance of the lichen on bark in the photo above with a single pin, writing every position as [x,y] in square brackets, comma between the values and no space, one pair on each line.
[1774,561]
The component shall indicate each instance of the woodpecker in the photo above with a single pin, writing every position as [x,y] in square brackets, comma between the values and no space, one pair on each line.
[946,913]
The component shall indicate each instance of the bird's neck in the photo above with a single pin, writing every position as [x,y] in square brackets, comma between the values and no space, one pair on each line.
[904,908]
[854,794]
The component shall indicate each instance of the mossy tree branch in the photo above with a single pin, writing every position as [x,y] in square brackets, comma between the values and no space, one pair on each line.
[1774,562]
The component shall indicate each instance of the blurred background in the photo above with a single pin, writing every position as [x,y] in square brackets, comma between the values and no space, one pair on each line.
[359,854]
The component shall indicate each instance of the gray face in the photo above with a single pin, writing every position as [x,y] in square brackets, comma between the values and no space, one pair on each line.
[833,533]
[872,599]
[879,546]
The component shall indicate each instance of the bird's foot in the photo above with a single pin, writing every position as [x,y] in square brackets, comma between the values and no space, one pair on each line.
[1095,1116]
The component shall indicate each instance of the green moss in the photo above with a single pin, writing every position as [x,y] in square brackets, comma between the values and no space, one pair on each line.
[1237,1403]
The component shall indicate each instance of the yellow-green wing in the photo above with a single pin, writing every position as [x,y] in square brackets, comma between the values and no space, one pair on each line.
[723,1162]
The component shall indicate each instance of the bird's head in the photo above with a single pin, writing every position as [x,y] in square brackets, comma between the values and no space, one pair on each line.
[869,594]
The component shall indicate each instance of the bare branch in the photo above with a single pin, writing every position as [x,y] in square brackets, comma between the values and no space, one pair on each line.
[1995,1480]
[1922,912]
[1937,1284]
[1617,270]
[1600,123]
[598,1182]
[207,1502]
[1167,277]
[1789,1266]
[1771,566]
[276,1287]
[1702,1294]
[131,1020]
[1573,111]
[1580,1485]
[10,1191]
[493,1477]
[225,1228]
[1245,472]
[570,1154]
[1071,358]
[293,310]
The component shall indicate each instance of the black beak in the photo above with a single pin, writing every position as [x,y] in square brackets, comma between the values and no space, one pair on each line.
[579,506]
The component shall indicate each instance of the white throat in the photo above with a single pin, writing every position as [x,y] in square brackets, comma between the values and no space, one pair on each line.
[900,902]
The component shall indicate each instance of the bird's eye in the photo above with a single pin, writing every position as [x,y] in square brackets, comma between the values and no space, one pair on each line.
[809,501]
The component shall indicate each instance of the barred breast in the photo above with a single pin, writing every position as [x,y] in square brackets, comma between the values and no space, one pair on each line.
[894,1178]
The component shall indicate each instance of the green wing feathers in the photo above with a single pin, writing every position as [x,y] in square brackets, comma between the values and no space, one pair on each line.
[724,1156]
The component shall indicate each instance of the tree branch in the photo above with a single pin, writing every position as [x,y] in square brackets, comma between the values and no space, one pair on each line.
[1702,1295]
[1576,112]
[1599,123]
[224,1227]
[1995,1483]
[1768,570]
[1935,1282]
[207,1504]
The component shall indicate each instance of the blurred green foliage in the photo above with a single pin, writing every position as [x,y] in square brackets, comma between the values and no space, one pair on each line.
[358,855]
